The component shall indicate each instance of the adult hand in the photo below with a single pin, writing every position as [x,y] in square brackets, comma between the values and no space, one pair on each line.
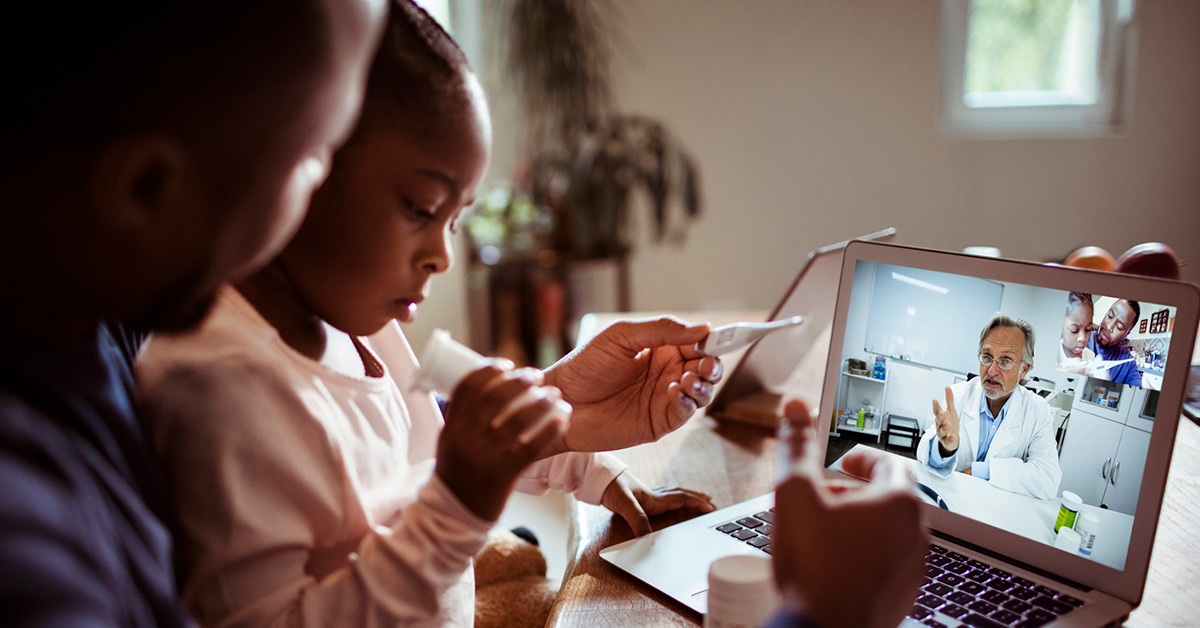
[947,423]
[633,383]
[845,553]
[628,497]
[1077,366]
[494,429]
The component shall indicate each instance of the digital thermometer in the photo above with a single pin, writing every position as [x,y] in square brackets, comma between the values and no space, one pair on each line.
[729,338]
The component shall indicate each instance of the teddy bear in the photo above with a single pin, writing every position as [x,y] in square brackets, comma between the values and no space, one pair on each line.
[511,587]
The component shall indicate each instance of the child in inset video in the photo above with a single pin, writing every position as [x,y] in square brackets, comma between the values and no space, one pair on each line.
[1073,354]
[314,484]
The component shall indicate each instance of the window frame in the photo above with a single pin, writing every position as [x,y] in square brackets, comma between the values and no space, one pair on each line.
[1106,117]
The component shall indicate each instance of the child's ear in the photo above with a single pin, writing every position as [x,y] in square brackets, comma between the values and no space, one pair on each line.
[139,182]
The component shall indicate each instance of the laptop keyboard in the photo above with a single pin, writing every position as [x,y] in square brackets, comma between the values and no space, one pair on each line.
[958,590]
[753,530]
[962,591]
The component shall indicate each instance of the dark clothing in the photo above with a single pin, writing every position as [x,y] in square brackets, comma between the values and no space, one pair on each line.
[1123,373]
[83,534]
[791,619]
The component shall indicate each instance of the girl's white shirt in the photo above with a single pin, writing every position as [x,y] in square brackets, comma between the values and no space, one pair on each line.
[306,493]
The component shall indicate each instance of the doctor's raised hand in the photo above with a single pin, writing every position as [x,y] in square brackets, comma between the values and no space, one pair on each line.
[946,421]
[633,383]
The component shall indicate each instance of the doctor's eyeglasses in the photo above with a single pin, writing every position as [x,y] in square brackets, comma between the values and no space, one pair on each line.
[1005,364]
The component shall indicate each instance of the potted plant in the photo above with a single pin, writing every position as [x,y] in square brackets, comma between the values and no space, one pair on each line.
[537,241]
[588,164]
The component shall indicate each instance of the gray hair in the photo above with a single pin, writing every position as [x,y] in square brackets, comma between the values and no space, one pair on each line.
[999,319]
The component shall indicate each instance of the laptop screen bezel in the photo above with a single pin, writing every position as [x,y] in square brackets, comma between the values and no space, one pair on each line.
[1126,584]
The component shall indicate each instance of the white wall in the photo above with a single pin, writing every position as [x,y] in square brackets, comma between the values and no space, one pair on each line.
[911,388]
[815,121]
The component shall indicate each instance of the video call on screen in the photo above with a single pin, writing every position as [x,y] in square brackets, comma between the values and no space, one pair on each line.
[1098,362]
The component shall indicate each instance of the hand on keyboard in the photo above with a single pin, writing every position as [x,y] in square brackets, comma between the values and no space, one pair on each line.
[635,502]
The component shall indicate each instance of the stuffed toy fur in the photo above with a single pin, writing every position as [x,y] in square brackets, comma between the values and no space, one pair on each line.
[511,588]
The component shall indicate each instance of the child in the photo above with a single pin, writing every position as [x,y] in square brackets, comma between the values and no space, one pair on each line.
[311,480]
[152,151]
[1073,353]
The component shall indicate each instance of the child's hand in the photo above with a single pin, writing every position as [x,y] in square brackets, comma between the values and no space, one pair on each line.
[629,497]
[488,439]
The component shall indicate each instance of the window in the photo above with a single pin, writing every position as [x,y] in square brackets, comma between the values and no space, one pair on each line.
[1037,68]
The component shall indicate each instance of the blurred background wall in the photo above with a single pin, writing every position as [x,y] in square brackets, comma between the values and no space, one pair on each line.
[816,121]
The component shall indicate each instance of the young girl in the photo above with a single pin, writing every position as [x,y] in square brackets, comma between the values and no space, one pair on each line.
[1073,354]
[312,483]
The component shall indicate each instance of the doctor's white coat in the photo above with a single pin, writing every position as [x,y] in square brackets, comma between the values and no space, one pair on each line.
[1023,456]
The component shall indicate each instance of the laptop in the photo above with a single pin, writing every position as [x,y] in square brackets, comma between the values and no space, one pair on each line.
[995,558]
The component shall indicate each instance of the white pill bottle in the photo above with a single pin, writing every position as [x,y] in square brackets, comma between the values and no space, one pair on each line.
[741,592]
[444,364]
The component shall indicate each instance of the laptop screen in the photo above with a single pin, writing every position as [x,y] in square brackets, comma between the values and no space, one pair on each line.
[1054,397]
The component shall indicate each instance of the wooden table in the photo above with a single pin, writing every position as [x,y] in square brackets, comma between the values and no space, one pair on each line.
[734,463]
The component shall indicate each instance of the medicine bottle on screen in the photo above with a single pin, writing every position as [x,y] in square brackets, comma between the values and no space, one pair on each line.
[1067,540]
[1068,510]
[1086,525]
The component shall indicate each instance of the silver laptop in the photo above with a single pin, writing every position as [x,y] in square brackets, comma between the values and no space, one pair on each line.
[996,558]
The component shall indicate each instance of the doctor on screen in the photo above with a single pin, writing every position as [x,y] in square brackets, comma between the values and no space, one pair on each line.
[992,427]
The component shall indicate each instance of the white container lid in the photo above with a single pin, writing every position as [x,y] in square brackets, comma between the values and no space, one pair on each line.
[445,362]
[1067,539]
[1072,500]
[740,575]
[741,591]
